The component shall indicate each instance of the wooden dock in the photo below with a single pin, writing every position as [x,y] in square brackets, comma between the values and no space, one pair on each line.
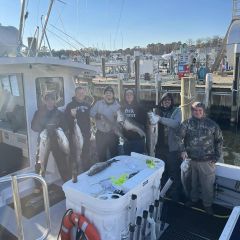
[220,96]
[221,93]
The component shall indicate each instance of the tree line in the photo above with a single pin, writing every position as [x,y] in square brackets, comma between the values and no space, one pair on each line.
[153,48]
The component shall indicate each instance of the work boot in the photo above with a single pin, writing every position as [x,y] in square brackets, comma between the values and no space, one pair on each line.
[209,210]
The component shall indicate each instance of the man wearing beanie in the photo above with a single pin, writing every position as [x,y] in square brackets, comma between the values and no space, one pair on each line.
[200,139]
[169,118]
[104,112]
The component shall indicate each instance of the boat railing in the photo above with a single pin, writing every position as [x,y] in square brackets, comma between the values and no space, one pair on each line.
[17,203]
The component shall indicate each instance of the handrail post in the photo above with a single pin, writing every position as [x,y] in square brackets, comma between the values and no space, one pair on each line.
[17,207]
[17,203]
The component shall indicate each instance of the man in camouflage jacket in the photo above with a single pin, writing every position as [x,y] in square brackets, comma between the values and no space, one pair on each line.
[200,139]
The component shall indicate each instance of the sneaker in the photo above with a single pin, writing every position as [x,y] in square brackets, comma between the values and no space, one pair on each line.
[208,210]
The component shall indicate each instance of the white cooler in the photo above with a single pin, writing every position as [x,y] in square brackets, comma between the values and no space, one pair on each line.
[93,196]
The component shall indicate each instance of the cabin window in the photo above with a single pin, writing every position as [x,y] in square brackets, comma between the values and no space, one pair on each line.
[13,127]
[50,84]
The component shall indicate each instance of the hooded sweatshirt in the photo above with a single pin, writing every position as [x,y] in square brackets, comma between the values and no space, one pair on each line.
[137,113]
[83,116]
[168,124]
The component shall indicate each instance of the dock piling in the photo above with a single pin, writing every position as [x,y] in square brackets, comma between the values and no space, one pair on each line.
[188,95]
[208,88]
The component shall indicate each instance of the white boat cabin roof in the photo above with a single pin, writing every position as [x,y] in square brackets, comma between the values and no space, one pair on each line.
[5,61]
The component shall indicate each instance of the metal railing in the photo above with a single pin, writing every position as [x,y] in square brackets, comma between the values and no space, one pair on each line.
[17,203]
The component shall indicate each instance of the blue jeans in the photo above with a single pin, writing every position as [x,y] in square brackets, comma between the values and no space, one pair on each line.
[137,146]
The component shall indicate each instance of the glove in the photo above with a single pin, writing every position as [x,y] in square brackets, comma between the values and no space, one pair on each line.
[153,118]
[184,155]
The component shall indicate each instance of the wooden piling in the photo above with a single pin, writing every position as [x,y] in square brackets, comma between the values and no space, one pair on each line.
[103,67]
[87,59]
[235,88]
[137,77]
[158,88]
[120,90]
[129,66]
[208,88]
[188,95]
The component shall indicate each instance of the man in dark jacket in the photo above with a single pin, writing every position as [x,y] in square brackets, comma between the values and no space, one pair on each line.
[78,108]
[133,111]
[50,118]
[200,139]
[169,118]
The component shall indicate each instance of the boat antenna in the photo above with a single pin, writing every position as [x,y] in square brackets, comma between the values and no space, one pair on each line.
[45,26]
[22,18]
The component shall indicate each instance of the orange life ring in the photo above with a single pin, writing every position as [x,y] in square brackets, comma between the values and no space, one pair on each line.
[73,219]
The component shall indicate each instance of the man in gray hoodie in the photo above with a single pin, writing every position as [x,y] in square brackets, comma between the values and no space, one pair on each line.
[167,149]
[105,111]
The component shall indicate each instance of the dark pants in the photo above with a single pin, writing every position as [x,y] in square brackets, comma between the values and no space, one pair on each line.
[172,169]
[137,146]
[104,142]
[61,159]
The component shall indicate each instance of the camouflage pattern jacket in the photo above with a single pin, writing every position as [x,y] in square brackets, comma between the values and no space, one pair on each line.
[201,139]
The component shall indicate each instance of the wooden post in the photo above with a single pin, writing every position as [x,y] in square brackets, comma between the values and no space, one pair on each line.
[188,94]
[129,66]
[137,77]
[120,90]
[171,65]
[103,67]
[208,88]
[235,93]
[157,87]
[87,58]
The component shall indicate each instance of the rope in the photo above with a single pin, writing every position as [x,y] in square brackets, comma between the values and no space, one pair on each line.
[62,39]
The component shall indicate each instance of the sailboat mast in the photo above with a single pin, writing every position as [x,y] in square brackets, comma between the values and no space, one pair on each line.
[45,26]
[21,25]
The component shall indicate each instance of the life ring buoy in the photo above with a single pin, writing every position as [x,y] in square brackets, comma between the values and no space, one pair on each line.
[74,219]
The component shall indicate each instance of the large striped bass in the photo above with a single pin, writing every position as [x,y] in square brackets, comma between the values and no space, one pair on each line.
[129,124]
[186,176]
[44,151]
[76,151]
[62,141]
[152,138]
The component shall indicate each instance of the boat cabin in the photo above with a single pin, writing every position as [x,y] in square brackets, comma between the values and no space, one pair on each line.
[23,83]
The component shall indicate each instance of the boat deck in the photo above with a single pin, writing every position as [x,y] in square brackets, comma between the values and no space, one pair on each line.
[193,223]
[33,216]
[184,223]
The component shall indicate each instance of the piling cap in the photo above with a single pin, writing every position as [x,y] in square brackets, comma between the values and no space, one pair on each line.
[198,105]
